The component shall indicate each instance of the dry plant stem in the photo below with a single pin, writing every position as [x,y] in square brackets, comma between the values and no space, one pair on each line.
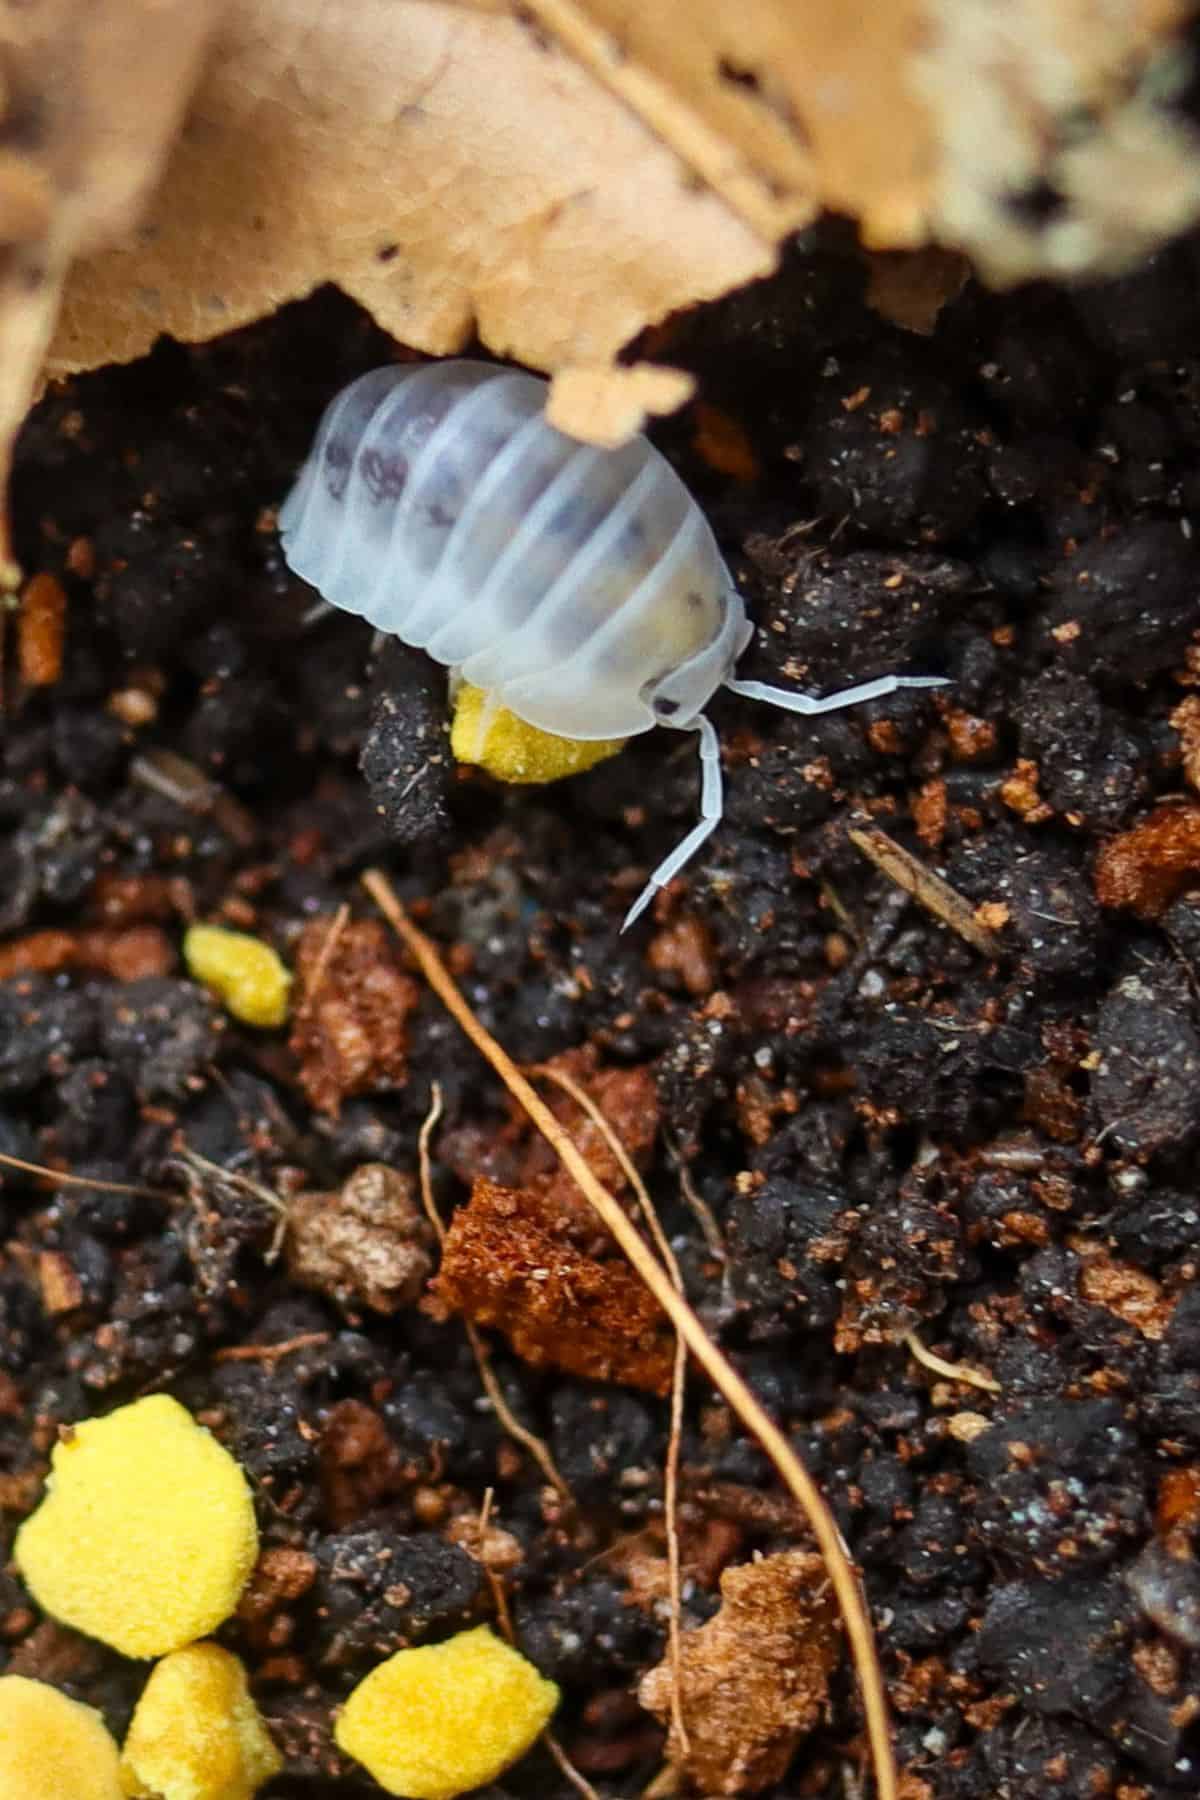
[929,1359]
[539,1451]
[256,1189]
[703,1212]
[59,1178]
[926,888]
[270,1353]
[715,1365]
[338,924]
[625,1162]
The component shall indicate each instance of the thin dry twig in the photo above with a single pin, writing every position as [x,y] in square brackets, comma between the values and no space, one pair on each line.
[926,888]
[337,925]
[270,1353]
[60,1178]
[628,1168]
[929,1359]
[258,1190]
[701,1210]
[537,1448]
[715,1365]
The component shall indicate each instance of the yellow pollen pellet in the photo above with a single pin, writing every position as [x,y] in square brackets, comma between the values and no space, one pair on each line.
[245,974]
[52,1746]
[445,1718]
[146,1536]
[196,1733]
[513,751]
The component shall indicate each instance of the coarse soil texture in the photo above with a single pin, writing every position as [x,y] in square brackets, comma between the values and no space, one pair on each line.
[868,1132]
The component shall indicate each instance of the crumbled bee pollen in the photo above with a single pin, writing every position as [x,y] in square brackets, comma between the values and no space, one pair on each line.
[196,1733]
[51,1746]
[146,1536]
[440,1720]
[245,974]
[513,751]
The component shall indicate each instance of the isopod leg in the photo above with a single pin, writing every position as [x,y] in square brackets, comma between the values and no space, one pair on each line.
[792,701]
[711,808]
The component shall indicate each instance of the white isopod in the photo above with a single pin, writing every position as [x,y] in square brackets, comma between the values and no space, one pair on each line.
[580,588]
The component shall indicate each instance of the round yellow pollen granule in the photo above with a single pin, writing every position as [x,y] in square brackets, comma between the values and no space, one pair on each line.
[196,1733]
[146,1536]
[438,1721]
[245,974]
[53,1748]
[513,751]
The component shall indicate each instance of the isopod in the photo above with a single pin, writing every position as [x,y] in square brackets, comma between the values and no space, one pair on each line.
[580,588]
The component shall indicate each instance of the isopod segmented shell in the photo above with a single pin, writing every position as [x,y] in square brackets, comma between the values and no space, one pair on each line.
[439,504]
[580,588]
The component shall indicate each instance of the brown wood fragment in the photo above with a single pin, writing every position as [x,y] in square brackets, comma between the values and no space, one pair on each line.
[926,888]
[509,1264]
[41,631]
[61,1288]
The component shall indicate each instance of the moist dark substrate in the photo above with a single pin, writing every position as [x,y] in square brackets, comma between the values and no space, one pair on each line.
[894,1132]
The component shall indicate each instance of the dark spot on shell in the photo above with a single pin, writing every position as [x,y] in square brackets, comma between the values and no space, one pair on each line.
[383,476]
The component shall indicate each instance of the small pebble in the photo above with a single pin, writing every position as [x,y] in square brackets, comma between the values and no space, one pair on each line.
[196,1733]
[244,973]
[438,1721]
[146,1536]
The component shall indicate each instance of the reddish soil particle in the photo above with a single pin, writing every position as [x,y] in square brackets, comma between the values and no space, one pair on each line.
[1019,792]
[628,1101]
[724,444]
[360,1465]
[1178,1506]
[350,1012]
[1128,1292]
[1143,870]
[684,950]
[41,631]
[971,739]
[126,954]
[507,1264]
[929,813]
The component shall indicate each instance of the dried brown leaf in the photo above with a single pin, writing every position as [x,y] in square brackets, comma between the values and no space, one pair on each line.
[91,93]
[555,177]
[449,170]
[755,1678]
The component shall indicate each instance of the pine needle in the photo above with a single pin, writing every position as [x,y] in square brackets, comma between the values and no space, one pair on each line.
[61,1178]
[629,1169]
[715,1364]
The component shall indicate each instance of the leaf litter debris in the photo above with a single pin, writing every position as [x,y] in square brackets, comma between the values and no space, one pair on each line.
[847,1591]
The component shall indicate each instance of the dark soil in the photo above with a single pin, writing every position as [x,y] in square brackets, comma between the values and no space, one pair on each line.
[893,1132]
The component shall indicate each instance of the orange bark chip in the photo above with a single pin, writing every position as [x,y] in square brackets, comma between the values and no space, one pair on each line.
[508,1264]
